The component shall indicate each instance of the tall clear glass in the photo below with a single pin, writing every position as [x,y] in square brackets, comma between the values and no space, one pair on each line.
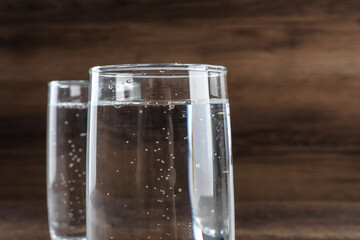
[159,153]
[66,159]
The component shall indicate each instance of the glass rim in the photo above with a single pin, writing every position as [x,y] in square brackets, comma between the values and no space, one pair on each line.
[113,70]
[65,83]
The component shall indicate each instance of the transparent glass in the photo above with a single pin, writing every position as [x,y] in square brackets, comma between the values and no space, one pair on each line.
[159,153]
[66,158]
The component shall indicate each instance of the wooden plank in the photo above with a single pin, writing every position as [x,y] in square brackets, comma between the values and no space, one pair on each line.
[105,11]
[254,221]
[293,79]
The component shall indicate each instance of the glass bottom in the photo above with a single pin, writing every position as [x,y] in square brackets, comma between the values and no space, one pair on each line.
[67,238]
[56,237]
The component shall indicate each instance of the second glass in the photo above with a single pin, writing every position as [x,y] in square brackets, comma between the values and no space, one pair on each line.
[66,159]
[159,153]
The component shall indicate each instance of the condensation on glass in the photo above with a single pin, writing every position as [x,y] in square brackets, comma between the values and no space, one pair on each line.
[66,159]
[159,153]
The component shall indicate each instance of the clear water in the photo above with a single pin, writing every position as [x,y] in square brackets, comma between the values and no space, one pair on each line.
[66,173]
[160,171]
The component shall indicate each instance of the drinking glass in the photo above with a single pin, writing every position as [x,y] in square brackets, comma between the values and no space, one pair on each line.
[159,153]
[66,158]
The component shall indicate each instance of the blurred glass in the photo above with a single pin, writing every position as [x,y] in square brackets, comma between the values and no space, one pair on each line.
[66,158]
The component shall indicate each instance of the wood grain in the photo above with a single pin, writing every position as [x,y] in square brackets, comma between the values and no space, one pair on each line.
[293,84]
[259,221]
[292,66]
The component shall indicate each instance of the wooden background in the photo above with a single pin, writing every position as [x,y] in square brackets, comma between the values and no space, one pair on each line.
[294,85]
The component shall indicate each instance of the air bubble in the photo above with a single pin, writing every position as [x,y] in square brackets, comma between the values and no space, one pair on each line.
[66,122]
[71,165]
[108,194]
[180,190]
[140,111]
[127,141]
[146,149]
[197,165]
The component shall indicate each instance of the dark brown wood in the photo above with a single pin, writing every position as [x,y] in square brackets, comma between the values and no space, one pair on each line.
[293,72]
[256,221]
[293,84]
